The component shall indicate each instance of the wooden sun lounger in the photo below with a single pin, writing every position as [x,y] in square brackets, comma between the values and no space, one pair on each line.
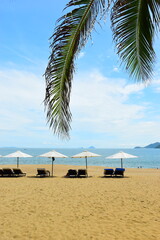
[108,172]
[8,172]
[42,172]
[119,172]
[19,172]
[72,173]
[82,173]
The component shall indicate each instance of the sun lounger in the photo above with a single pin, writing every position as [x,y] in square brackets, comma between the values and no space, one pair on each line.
[42,172]
[108,172]
[72,173]
[1,173]
[19,172]
[8,172]
[119,172]
[82,173]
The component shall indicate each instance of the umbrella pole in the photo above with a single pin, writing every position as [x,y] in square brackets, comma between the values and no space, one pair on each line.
[17,162]
[52,167]
[86,166]
[121,163]
[86,163]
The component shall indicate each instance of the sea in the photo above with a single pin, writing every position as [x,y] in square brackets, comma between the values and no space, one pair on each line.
[146,157]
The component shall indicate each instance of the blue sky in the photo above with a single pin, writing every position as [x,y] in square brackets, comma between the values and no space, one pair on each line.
[109,110]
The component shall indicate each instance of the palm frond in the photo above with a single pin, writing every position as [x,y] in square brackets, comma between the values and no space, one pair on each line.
[134,24]
[69,37]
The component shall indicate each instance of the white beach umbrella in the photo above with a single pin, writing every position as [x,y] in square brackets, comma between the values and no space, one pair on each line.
[121,155]
[86,154]
[17,155]
[53,154]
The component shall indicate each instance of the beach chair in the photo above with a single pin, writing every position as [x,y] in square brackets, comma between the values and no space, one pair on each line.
[108,172]
[19,172]
[8,172]
[82,173]
[42,172]
[72,173]
[119,172]
[1,173]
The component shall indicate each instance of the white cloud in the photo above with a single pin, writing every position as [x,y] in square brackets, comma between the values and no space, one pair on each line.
[102,105]
[22,88]
[115,69]
[81,55]
[22,94]
[132,88]
[156,85]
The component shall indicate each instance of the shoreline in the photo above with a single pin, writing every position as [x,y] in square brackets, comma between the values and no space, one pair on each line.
[73,165]
[61,167]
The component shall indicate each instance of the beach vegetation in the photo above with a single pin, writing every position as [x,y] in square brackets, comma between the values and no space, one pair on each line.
[134,24]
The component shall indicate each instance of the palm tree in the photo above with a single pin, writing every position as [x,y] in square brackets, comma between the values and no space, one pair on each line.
[134,24]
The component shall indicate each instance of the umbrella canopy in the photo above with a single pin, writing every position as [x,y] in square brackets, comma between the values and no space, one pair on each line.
[18,154]
[121,155]
[53,154]
[86,154]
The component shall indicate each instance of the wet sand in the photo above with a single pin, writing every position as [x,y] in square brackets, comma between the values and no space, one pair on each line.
[97,208]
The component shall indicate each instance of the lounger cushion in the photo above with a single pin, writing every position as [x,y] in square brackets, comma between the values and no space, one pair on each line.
[120,169]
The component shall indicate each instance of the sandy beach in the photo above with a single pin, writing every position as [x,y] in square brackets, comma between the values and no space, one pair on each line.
[97,208]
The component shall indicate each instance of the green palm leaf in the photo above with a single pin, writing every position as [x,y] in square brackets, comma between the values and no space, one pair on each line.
[70,36]
[134,23]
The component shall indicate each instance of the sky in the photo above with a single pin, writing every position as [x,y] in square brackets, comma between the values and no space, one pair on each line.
[109,109]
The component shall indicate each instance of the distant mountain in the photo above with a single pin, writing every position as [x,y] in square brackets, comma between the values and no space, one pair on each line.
[91,147]
[152,145]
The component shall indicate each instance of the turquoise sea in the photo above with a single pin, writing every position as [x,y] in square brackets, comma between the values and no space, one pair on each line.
[147,158]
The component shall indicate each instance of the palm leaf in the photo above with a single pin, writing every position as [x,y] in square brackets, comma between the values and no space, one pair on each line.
[69,37]
[134,23]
